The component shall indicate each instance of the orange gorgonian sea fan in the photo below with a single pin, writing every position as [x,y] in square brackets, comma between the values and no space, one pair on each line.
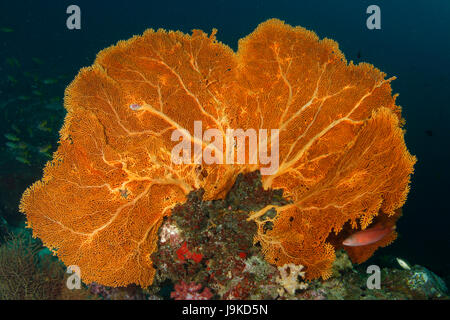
[342,155]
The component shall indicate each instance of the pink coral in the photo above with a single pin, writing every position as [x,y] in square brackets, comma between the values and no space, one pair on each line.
[190,291]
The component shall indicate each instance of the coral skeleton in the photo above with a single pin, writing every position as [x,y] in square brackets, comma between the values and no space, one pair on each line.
[289,279]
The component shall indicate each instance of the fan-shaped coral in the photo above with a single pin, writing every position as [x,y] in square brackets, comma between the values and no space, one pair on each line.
[342,154]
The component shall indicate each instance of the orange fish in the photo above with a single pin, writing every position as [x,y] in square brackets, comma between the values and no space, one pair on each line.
[368,236]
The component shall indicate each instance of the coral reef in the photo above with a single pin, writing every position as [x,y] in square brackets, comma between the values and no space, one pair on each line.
[230,275]
[395,284]
[233,268]
[341,264]
[20,276]
[218,234]
[289,279]
[343,162]
[190,291]
[123,293]
[27,274]
[423,283]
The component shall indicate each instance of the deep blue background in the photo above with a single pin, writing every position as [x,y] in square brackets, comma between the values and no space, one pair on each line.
[413,44]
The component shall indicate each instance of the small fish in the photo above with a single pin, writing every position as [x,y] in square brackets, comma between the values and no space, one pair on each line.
[23,160]
[429,133]
[47,154]
[6,30]
[11,137]
[43,126]
[403,264]
[37,92]
[45,148]
[13,62]
[23,98]
[12,145]
[367,236]
[50,81]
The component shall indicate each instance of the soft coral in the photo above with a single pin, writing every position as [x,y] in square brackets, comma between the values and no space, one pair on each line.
[190,291]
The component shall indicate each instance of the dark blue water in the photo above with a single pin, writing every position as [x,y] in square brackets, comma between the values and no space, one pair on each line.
[413,45]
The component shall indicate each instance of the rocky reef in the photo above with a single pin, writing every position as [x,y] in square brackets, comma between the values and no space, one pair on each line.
[207,250]
[209,244]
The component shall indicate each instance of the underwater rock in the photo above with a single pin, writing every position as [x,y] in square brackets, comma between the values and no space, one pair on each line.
[341,264]
[211,243]
[426,282]
[396,284]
